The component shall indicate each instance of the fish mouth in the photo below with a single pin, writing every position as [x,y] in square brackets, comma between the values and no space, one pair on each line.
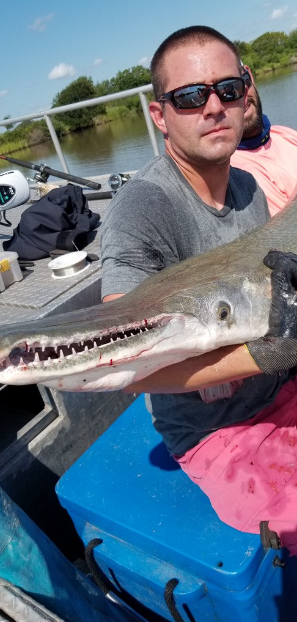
[62,356]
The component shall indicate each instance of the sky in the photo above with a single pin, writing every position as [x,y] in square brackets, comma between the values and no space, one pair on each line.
[47,45]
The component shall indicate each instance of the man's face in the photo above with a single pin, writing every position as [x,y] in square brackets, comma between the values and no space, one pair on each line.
[253,124]
[210,134]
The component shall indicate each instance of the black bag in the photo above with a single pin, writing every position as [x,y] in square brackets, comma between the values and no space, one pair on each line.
[57,220]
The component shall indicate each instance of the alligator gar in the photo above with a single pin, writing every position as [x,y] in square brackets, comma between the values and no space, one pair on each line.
[217,298]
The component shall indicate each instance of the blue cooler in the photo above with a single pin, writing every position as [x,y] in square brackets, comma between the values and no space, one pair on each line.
[155,525]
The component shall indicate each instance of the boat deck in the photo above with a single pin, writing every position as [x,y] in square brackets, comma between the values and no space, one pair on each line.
[38,294]
[43,431]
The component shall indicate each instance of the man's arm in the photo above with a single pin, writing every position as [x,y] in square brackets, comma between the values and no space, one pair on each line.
[216,367]
[112,297]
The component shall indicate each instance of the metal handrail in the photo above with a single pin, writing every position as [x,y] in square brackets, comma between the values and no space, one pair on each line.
[50,112]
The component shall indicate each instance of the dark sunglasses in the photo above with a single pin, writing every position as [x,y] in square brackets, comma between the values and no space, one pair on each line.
[196,95]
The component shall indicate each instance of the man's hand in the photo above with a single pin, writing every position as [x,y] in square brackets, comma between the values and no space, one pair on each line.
[277,351]
[283,311]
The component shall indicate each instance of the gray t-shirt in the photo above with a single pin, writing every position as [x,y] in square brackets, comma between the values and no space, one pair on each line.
[155,220]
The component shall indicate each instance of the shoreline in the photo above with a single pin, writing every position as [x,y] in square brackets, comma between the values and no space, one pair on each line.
[268,70]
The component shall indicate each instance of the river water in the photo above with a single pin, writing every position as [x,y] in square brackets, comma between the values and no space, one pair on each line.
[124,145]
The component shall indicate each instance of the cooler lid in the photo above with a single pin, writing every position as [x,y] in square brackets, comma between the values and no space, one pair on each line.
[127,485]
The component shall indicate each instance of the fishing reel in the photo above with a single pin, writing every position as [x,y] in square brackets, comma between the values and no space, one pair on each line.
[42,175]
[14,191]
[117,180]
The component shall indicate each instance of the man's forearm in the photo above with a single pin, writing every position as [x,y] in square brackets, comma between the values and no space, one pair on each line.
[216,367]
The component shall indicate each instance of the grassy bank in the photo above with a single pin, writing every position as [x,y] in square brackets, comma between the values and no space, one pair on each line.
[275,67]
[30,133]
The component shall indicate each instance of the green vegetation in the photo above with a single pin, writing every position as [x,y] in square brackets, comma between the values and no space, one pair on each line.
[27,134]
[268,52]
[80,90]
[124,81]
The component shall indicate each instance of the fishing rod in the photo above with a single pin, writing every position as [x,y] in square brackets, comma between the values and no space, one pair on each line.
[12,195]
[46,171]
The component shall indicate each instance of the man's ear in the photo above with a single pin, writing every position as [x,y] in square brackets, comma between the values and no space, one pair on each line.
[156,112]
[246,67]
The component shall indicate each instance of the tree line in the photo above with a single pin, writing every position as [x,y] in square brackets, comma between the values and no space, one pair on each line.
[268,52]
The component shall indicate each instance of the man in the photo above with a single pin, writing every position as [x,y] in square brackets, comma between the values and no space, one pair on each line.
[181,204]
[268,152]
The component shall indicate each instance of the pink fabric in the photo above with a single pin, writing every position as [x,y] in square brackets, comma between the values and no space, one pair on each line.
[274,166]
[249,470]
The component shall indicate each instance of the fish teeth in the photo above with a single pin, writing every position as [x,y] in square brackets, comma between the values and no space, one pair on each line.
[73,351]
[36,358]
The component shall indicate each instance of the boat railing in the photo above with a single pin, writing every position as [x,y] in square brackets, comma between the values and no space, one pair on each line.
[50,112]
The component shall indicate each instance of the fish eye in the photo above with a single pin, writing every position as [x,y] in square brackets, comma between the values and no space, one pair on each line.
[223,311]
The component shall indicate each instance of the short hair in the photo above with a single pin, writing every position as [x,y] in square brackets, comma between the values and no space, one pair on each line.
[184,36]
